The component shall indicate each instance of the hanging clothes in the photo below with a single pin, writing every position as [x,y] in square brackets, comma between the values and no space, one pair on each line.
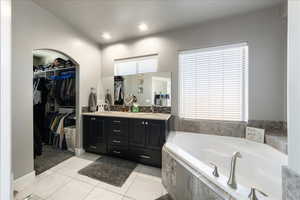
[49,94]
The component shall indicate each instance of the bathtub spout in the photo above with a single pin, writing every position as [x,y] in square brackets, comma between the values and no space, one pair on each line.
[232,180]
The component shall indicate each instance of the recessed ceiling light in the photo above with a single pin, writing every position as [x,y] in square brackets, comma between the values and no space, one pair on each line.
[143,27]
[106,36]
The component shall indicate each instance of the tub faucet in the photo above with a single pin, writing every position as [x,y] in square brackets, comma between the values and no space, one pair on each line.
[252,195]
[232,180]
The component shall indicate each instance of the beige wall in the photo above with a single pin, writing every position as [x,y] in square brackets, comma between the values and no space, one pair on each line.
[36,28]
[263,32]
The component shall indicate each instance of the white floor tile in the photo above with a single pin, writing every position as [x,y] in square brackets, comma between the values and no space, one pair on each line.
[46,186]
[145,188]
[127,198]
[90,156]
[150,172]
[64,182]
[86,179]
[74,190]
[102,194]
[120,190]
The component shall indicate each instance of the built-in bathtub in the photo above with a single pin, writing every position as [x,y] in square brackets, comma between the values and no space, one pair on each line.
[187,173]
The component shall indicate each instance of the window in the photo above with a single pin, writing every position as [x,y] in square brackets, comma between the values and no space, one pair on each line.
[136,65]
[213,83]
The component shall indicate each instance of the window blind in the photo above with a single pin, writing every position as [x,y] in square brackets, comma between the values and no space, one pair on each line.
[213,83]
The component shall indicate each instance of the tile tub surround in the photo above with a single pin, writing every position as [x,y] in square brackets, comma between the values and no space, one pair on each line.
[290,184]
[276,131]
[278,142]
[182,182]
[213,127]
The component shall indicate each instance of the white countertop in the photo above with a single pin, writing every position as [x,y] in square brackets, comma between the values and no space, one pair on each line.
[139,115]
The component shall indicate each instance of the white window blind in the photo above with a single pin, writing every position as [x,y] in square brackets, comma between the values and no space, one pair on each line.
[214,83]
[136,65]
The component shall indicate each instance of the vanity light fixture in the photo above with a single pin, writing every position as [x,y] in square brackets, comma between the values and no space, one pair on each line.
[106,36]
[143,27]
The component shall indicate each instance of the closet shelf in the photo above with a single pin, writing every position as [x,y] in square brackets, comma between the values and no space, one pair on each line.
[52,70]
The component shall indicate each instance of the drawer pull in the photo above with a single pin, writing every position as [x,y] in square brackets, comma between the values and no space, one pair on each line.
[116,121]
[116,131]
[93,118]
[117,152]
[116,141]
[93,147]
[145,157]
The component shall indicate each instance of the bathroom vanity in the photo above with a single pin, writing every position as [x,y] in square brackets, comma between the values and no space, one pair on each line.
[134,136]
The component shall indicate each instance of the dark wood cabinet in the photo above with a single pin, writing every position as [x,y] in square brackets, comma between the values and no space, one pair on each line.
[95,136]
[155,137]
[140,140]
[137,135]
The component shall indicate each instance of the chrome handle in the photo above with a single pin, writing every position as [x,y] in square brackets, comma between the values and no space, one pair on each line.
[116,131]
[252,195]
[116,141]
[93,147]
[215,172]
[145,157]
[146,123]
[93,118]
[117,152]
[116,121]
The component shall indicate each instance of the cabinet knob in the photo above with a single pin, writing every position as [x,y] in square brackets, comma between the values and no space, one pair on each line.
[146,123]
[116,141]
[116,131]
[116,121]
[143,122]
[93,118]
[93,147]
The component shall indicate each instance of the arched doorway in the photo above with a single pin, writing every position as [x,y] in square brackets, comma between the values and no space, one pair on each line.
[55,100]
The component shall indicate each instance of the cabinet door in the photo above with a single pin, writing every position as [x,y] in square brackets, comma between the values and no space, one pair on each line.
[137,133]
[95,134]
[155,134]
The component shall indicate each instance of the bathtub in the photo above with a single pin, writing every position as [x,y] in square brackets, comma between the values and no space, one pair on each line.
[192,153]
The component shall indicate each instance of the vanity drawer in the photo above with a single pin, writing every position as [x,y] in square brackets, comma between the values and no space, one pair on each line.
[120,141]
[119,121]
[119,151]
[146,156]
[119,131]
[119,127]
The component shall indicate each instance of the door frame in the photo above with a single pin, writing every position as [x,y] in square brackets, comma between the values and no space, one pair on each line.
[5,100]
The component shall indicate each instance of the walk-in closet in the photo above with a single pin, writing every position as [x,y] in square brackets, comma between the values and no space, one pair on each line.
[54,108]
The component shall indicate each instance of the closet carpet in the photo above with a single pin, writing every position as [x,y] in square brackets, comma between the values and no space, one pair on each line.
[50,157]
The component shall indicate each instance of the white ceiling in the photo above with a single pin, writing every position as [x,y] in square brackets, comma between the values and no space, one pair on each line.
[121,17]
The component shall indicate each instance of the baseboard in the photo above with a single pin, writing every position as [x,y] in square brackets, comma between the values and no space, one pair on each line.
[79,151]
[22,181]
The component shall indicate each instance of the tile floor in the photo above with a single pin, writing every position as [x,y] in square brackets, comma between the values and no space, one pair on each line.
[62,182]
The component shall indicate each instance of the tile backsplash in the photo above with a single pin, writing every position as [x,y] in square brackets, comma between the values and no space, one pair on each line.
[157,109]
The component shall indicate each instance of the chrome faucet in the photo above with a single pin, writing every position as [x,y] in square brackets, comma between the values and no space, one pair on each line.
[232,180]
[252,195]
